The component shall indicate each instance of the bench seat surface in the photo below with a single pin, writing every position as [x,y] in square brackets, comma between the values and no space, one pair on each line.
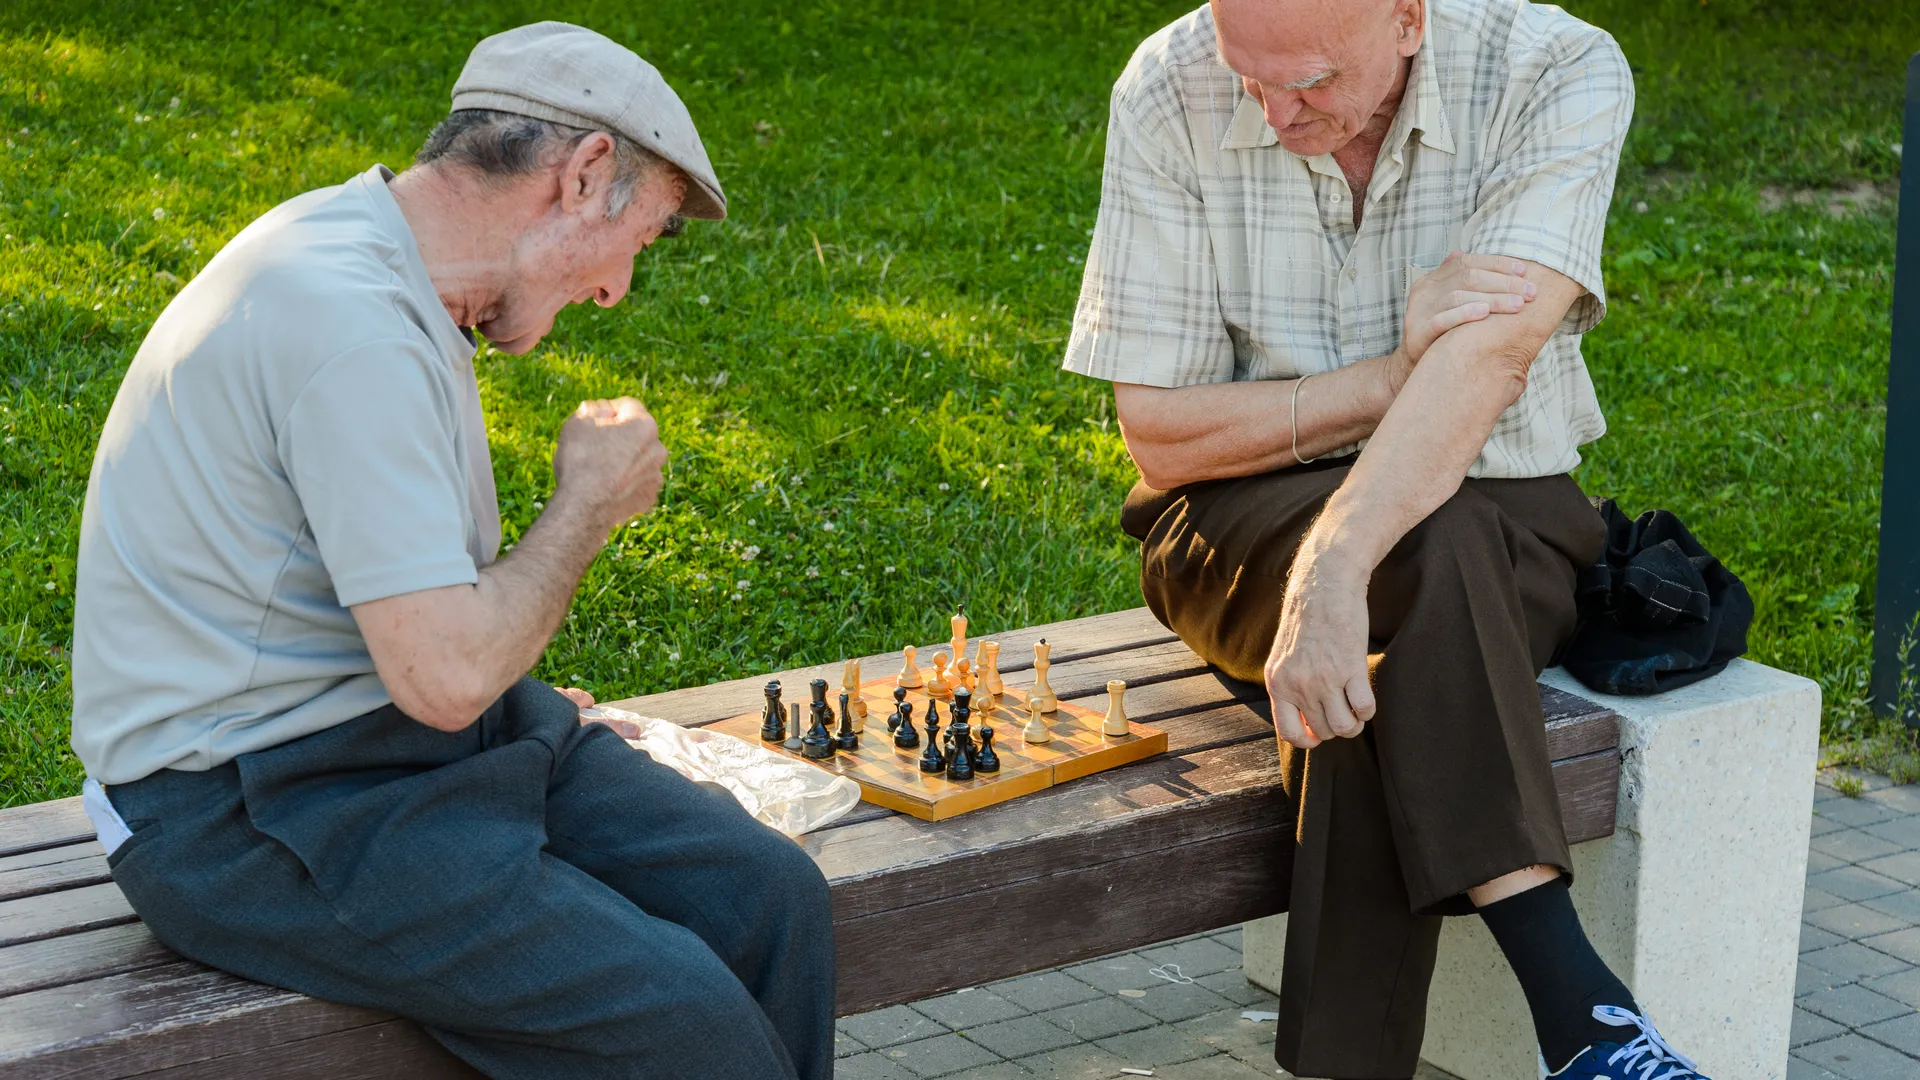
[1191,840]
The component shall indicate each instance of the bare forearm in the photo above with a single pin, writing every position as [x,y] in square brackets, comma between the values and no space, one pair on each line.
[1435,428]
[445,654]
[1215,431]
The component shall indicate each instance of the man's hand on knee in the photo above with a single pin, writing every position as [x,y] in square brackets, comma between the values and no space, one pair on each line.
[1317,671]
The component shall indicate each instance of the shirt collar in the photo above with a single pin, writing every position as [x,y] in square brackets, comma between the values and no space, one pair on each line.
[1248,129]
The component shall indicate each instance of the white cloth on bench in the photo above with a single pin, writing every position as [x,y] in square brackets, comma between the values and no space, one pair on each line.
[106,820]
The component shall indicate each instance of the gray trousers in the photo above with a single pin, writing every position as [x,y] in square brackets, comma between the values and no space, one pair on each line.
[544,899]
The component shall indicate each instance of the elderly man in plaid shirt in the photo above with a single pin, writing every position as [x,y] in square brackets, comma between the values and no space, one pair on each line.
[1345,254]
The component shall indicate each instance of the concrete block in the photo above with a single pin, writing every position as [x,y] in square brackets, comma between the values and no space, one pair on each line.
[1695,900]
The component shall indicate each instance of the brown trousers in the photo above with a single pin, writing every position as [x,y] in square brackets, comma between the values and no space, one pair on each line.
[1448,787]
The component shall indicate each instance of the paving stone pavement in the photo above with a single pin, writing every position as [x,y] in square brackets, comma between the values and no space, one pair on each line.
[1856,1012]
[1856,1015]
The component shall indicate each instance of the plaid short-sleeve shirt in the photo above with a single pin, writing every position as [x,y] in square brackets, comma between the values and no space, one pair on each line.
[1221,256]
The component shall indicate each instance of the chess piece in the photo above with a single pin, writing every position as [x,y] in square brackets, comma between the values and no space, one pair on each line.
[899,700]
[818,741]
[989,668]
[850,685]
[938,684]
[959,642]
[959,733]
[986,761]
[1042,660]
[963,674]
[933,761]
[849,737]
[904,734]
[794,731]
[1116,722]
[773,718]
[1036,729]
[909,676]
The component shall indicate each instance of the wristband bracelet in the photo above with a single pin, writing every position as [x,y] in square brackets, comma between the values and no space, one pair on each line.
[1293,420]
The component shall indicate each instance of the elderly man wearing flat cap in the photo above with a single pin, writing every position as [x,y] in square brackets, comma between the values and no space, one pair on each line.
[300,671]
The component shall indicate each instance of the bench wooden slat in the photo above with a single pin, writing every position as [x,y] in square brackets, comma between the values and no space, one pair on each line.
[1072,638]
[76,957]
[52,869]
[48,914]
[373,1052]
[159,1017]
[43,825]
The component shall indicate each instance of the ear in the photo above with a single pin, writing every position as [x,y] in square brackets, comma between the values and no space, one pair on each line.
[1410,25]
[587,173]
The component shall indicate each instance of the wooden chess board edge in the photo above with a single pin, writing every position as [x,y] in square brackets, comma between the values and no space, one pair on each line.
[1142,743]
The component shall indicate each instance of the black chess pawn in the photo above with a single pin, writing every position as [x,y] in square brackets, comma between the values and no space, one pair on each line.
[905,735]
[986,761]
[848,739]
[933,761]
[960,754]
[794,730]
[818,742]
[773,719]
[899,703]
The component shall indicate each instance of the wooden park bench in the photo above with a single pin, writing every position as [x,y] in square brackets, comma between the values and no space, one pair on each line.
[1187,841]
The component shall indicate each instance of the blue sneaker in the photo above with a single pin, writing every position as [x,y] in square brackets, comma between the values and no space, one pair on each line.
[1647,1057]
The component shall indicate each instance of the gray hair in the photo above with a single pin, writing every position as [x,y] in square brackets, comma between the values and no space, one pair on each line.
[500,145]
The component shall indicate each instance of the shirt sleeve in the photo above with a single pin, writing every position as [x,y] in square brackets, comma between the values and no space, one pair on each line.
[1149,308]
[1546,198]
[369,448]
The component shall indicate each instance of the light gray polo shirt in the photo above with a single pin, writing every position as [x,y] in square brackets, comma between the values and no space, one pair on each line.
[300,432]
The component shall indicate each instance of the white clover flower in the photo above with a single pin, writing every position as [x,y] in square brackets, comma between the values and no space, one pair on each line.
[889,569]
[159,212]
[699,577]
[703,300]
[1640,207]
[827,525]
[743,585]
[673,655]
[943,485]
[813,571]
[736,596]
[752,552]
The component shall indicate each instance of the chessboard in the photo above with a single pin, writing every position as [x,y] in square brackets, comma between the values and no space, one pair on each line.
[890,775]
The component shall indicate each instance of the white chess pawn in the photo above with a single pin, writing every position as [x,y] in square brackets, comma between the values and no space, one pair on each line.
[1036,729]
[910,676]
[1116,722]
[1042,691]
[938,684]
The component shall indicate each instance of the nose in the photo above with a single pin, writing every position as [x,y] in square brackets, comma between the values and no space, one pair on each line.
[615,289]
[1281,107]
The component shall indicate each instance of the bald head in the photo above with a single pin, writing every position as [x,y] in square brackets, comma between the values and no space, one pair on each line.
[1321,69]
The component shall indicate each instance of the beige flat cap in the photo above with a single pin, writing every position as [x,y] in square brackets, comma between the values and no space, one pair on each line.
[570,75]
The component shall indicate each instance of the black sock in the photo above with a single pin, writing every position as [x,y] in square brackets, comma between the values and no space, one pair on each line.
[1562,976]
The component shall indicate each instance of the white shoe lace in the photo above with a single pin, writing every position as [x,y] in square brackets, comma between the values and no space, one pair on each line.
[1648,1052]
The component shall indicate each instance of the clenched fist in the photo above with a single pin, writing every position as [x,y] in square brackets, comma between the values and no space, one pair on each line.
[609,458]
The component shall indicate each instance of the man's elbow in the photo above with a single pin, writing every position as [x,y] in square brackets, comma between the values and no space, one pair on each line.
[441,697]
[1159,466]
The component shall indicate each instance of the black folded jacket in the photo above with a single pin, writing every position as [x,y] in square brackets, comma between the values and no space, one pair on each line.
[1657,611]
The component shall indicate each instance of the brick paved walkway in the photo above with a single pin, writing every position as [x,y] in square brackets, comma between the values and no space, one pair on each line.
[1855,1018]
[1858,986]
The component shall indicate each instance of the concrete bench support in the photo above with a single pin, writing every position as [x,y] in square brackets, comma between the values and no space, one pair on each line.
[1695,899]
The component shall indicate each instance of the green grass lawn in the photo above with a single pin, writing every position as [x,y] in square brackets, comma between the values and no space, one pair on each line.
[857,372]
